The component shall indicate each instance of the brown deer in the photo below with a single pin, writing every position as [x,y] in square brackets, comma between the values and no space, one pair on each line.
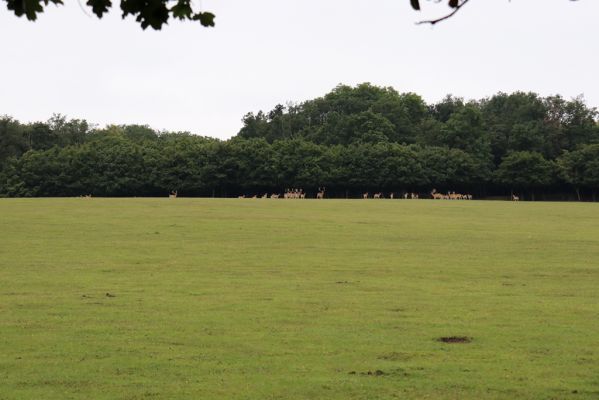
[436,195]
[173,195]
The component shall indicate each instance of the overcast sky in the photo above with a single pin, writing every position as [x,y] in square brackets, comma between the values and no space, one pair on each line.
[264,52]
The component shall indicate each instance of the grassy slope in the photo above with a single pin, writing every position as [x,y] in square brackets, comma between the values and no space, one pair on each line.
[274,299]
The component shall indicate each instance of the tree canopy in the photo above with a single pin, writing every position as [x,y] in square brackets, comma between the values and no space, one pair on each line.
[352,139]
[156,13]
[153,13]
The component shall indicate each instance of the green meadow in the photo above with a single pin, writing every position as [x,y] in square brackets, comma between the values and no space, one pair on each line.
[298,299]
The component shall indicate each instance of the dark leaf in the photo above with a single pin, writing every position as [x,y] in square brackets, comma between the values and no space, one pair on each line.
[205,18]
[99,7]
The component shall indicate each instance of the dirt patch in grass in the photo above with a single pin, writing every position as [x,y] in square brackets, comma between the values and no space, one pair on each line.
[377,372]
[455,339]
[395,356]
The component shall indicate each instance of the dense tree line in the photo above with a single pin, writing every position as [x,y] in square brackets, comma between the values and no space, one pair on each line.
[353,139]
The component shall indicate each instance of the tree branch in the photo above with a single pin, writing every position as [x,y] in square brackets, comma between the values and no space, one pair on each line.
[451,14]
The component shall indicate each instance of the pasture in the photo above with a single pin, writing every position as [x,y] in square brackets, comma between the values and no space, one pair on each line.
[314,299]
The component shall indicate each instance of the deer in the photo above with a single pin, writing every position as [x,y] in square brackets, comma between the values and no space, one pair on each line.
[241,197]
[377,195]
[515,198]
[320,194]
[254,197]
[436,195]
[365,195]
[405,195]
[173,195]
[264,196]
[391,195]
[274,196]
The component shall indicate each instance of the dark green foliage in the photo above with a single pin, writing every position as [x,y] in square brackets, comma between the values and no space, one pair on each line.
[352,140]
[580,168]
[524,170]
[154,13]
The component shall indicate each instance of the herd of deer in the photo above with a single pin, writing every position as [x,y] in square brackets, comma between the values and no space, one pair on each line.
[289,194]
[450,196]
[300,194]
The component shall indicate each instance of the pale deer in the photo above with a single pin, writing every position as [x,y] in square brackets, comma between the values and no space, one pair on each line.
[436,195]
[391,195]
[377,195]
[515,198]
[365,195]
[274,196]
[320,194]
[173,195]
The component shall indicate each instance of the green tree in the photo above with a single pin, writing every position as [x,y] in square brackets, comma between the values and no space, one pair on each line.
[525,170]
[580,168]
[12,143]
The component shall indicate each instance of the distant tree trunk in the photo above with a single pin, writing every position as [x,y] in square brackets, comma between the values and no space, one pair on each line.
[578,193]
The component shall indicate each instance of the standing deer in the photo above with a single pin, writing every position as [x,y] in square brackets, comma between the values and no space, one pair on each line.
[391,195]
[436,195]
[515,198]
[173,195]
[320,194]
[365,195]
[377,195]
[274,196]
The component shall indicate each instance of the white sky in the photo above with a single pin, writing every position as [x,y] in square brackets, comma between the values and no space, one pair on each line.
[264,52]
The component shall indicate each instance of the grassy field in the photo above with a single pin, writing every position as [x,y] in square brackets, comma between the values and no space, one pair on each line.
[290,299]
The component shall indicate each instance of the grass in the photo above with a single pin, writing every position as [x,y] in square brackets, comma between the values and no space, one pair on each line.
[291,299]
